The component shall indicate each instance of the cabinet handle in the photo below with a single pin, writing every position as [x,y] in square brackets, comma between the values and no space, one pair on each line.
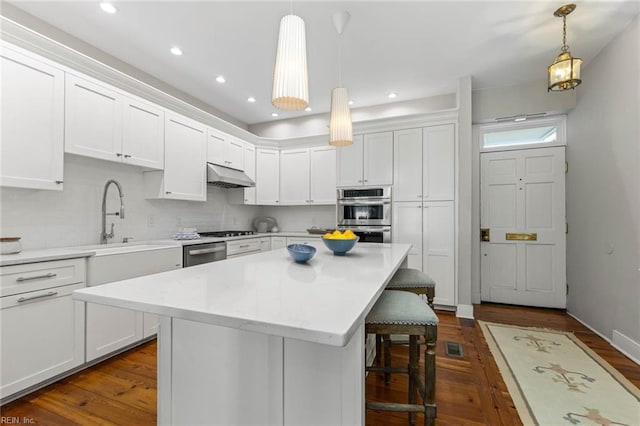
[37,277]
[246,200]
[118,154]
[167,192]
[360,181]
[26,299]
[127,156]
[59,182]
[311,201]
[244,246]
[366,180]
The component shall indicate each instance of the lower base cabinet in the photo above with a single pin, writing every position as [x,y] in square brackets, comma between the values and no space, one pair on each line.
[42,336]
[109,329]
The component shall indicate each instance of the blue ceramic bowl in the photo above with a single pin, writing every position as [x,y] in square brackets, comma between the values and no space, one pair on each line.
[340,247]
[301,252]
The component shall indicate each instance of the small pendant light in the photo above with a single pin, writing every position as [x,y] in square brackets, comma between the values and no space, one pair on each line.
[340,126]
[564,72]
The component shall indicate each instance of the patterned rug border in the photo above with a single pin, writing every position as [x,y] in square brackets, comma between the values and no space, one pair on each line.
[523,408]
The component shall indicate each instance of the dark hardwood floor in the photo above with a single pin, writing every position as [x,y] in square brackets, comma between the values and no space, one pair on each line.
[469,390]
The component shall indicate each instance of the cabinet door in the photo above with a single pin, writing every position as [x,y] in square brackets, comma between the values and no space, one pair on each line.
[407,165]
[143,134]
[32,130]
[322,175]
[267,176]
[265,244]
[439,163]
[250,170]
[378,159]
[350,163]
[278,242]
[110,329]
[235,154]
[407,229]
[185,154]
[93,120]
[42,336]
[216,147]
[294,176]
[438,249]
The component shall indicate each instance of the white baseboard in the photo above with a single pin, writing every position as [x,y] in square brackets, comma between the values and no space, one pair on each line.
[622,343]
[464,311]
[627,346]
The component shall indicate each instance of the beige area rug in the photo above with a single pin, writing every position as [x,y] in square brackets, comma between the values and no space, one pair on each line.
[555,379]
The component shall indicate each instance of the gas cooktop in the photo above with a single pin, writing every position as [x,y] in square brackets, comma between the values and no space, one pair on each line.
[225,233]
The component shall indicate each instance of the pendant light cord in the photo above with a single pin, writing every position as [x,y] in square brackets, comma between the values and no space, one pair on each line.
[564,34]
[291,7]
[339,60]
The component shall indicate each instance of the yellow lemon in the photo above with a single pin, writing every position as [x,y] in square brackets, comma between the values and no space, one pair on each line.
[349,234]
[337,234]
[328,235]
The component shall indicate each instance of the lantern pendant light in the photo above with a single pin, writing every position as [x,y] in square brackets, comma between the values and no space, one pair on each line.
[290,79]
[564,72]
[340,126]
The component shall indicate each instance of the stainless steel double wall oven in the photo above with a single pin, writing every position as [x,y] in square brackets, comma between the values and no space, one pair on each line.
[367,212]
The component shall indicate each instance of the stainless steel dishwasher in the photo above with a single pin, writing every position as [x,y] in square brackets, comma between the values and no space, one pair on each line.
[197,254]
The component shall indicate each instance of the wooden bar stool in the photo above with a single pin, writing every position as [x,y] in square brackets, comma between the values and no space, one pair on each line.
[405,279]
[401,312]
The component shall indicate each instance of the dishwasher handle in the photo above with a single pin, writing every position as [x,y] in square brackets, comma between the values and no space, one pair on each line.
[206,251]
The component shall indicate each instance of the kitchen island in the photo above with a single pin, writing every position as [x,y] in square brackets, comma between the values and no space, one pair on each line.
[260,339]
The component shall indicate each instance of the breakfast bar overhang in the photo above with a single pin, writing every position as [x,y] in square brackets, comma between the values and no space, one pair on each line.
[261,339]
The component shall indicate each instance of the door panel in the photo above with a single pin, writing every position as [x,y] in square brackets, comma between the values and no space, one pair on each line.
[523,192]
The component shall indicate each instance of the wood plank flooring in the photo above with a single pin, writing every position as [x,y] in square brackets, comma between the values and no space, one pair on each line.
[469,390]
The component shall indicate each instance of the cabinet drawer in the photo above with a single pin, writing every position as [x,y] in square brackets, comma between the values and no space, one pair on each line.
[18,279]
[242,246]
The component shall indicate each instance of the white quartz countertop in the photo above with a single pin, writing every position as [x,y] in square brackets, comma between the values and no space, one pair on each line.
[323,301]
[43,255]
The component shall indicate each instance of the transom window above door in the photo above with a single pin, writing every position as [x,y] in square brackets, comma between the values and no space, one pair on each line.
[519,135]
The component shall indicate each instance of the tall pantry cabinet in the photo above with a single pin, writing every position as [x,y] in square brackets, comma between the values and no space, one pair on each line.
[423,195]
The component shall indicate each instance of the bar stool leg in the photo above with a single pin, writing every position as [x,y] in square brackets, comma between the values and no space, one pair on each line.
[414,349]
[431,337]
[386,338]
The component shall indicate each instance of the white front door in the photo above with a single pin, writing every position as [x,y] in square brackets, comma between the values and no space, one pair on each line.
[523,210]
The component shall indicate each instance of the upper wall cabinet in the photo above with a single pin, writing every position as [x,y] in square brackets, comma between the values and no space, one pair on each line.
[250,170]
[225,150]
[267,176]
[184,175]
[424,164]
[32,148]
[308,176]
[101,122]
[368,161]
[322,175]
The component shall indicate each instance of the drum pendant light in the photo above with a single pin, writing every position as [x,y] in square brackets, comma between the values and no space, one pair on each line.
[340,126]
[564,72]
[290,79]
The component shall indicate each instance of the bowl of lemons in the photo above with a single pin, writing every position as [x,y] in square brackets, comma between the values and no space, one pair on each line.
[340,242]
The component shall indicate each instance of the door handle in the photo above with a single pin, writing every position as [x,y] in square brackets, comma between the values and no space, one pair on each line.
[485,234]
[521,237]
[206,251]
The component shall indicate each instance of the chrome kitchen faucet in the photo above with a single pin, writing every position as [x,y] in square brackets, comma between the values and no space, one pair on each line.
[104,236]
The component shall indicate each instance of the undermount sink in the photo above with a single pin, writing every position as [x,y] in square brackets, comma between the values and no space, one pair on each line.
[104,250]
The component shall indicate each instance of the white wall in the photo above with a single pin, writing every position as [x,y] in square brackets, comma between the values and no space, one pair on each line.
[603,192]
[72,217]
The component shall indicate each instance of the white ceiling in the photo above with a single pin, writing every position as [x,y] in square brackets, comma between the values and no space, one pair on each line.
[417,49]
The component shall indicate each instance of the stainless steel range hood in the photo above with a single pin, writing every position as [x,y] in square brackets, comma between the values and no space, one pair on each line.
[225,177]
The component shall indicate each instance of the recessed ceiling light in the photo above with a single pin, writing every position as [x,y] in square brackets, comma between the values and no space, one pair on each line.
[307,109]
[251,99]
[274,114]
[350,102]
[176,50]
[220,79]
[108,7]
[392,95]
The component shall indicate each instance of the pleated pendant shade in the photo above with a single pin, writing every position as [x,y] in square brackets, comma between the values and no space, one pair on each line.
[340,127]
[290,80]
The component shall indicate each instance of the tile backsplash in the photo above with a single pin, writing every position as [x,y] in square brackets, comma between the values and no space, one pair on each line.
[46,219]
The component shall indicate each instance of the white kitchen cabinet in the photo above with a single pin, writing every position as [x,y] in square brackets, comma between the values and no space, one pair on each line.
[294,176]
[225,150]
[267,176]
[322,175]
[408,164]
[367,162]
[429,228]
[108,328]
[438,153]
[244,247]
[184,176]
[102,122]
[278,242]
[32,131]
[265,244]
[407,229]
[301,240]
[42,327]
[250,170]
